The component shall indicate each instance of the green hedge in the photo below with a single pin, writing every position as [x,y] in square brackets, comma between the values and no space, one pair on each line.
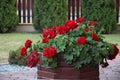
[102,11]
[8,16]
[48,13]
[16,58]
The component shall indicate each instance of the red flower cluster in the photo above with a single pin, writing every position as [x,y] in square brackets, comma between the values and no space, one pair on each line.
[28,43]
[70,24]
[48,33]
[45,33]
[81,40]
[87,30]
[52,32]
[92,23]
[116,51]
[80,20]
[49,52]
[33,59]
[46,39]
[24,49]
[94,36]
[60,29]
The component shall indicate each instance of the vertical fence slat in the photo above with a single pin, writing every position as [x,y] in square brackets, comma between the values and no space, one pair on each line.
[28,10]
[80,7]
[19,10]
[32,5]
[69,10]
[24,3]
[77,7]
[16,5]
[73,9]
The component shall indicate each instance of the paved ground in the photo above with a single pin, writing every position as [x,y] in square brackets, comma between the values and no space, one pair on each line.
[112,72]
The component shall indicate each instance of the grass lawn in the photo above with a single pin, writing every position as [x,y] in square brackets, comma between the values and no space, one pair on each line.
[12,41]
[113,38]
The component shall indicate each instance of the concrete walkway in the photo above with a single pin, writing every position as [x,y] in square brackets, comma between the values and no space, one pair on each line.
[112,72]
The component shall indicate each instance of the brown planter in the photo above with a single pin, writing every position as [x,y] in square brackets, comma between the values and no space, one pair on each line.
[65,71]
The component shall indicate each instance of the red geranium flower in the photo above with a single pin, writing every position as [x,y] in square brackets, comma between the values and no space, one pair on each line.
[33,59]
[116,51]
[87,30]
[67,26]
[94,36]
[45,40]
[28,43]
[70,24]
[35,53]
[49,52]
[81,40]
[60,29]
[80,20]
[92,23]
[23,51]
[45,33]
[52,33]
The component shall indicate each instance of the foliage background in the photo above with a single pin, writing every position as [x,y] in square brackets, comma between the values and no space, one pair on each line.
[101,11]
[8,16]
[48,13]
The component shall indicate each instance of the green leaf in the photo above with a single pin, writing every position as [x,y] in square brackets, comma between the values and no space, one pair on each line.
[89,38]
[77,65]
[97,58]
[100,44]
[50,60]
[53,63]
[68,56]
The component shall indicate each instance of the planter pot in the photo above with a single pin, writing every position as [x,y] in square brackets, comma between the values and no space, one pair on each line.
[65,71]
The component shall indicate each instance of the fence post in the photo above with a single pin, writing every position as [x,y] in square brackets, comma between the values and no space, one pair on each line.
[28,10]
[77,6]
[69,10]
[19,10]
[73,9]
[24,10]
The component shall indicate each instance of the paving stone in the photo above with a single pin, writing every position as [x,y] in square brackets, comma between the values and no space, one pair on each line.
[113,78]
[102,77]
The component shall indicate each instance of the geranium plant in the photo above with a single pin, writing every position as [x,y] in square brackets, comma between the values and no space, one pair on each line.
[77,40]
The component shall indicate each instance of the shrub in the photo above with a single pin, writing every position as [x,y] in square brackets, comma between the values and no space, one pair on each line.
[102,11]
[48,13]
[16,58]
[8,16]
[77,41]
[11,58]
